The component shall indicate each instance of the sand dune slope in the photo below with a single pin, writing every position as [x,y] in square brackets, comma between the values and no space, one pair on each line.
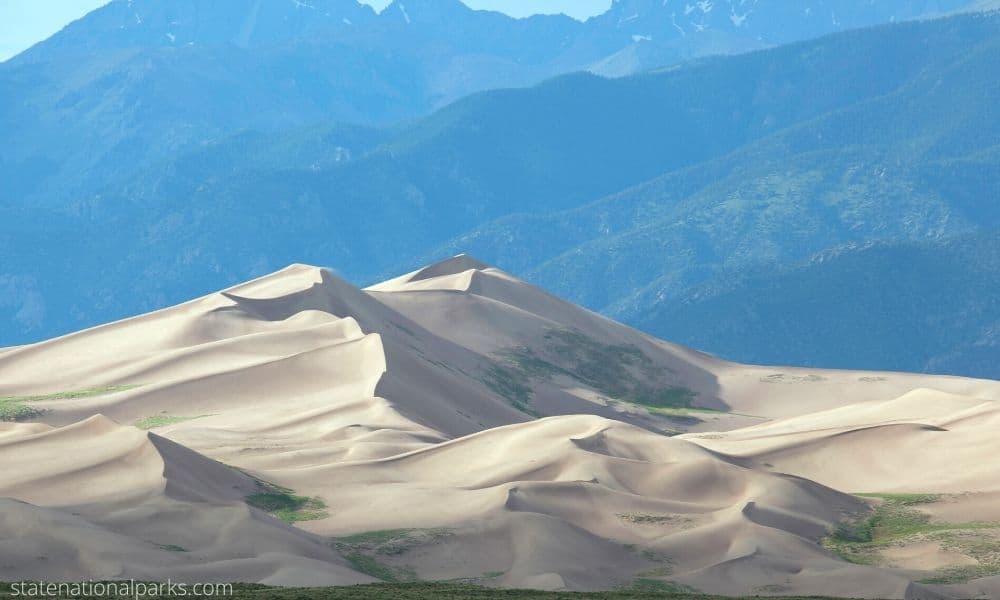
[584,502]
[99,500]
[499,313]
[928,460]
[924,441]
[403,425]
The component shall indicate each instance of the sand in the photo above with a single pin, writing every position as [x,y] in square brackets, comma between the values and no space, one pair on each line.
[488,430]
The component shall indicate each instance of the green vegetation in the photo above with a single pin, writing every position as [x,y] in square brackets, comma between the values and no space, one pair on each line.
[16,408]
[686,412]
[782,378]
[979,543]
[162,421]
[510,384]
[894,522]
[172,548]
[364,550]
[622,372]
[644,519]
[13,410]
[376,538]
[391,542]
[904,499]
[369,565]
[669,397]
[285,505]
[641,589]
[648,585]
[893,519]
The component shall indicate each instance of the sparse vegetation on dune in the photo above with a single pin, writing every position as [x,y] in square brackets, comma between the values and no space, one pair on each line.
[904,499]
[367,551]
[163,420]
[620,371]
[17,408]
[511,385]
[980,543]
[895,522]
[643,518]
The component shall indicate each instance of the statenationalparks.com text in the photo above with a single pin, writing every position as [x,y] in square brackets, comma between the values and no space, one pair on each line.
[117,589]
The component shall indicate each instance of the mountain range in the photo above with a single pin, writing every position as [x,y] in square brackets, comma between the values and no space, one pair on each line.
[141,169]
[117,91]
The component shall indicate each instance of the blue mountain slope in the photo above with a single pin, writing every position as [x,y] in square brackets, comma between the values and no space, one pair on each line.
[624,194]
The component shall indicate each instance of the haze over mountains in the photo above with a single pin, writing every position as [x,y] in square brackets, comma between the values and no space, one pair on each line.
[297,430]
[141,168]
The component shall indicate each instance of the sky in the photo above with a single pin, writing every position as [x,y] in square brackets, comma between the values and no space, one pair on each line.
[25,22]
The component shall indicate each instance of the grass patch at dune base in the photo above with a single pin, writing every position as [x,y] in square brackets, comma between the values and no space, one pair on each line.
[895,522]
[659,587]
[18,408]
[981,543]
[368,551]
[369,565]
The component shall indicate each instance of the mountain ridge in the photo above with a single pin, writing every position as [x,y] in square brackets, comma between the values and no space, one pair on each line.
[811,140]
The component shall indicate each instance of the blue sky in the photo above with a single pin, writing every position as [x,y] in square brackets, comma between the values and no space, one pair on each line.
[25,22]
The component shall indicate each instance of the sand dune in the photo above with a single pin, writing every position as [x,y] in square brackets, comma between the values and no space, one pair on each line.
[404,424]
[134,505]
[925,441]
[594,483]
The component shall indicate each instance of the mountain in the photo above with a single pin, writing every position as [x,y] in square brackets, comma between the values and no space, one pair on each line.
[133,82]
[906,306]
[619,194]
[458,423]
[883,168]
[661,31]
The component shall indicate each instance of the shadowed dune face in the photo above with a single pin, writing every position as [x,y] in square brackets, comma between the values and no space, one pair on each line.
[456,422]
[101,500]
